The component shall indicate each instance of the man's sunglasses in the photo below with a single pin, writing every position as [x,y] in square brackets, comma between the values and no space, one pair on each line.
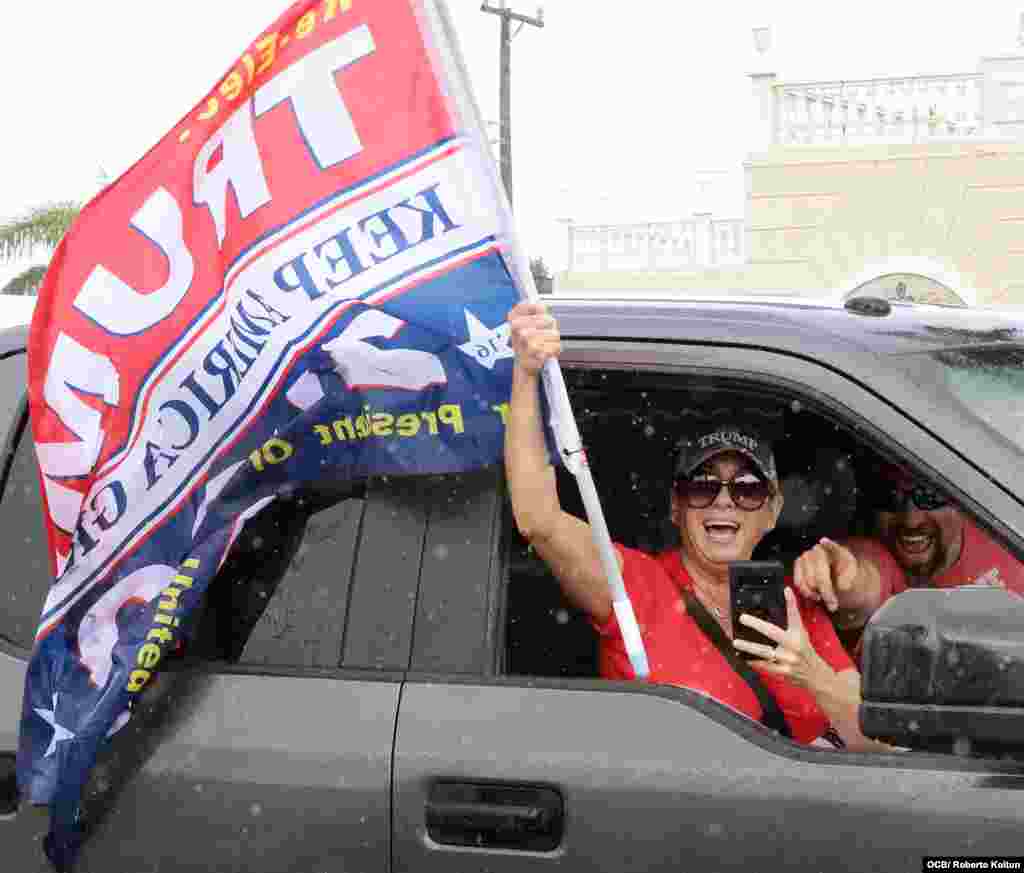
[893,498]
[749,494]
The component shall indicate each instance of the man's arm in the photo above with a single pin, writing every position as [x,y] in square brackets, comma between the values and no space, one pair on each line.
[847,579]
[562,540]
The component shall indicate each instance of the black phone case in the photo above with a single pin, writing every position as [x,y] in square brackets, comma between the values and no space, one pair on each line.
[756,588]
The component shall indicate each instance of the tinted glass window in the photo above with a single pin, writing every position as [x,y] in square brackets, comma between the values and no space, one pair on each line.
[326,578]
[282,596]
[12,390]
[286,591]
[26,553]
[990,382]
[285,594]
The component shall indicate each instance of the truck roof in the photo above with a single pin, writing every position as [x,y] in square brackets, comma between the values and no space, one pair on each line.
[807,327]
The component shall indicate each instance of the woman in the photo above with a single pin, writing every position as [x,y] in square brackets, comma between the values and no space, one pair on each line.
[725,499]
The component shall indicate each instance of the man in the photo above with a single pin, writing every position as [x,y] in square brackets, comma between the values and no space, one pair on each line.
[923,540]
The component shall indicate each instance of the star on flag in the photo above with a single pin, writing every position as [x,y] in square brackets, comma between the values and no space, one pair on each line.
[486,345]
[59,731]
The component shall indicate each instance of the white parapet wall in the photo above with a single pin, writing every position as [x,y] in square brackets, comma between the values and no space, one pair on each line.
[983,104]
[658,246]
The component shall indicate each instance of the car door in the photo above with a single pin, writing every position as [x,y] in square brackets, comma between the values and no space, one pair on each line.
[267,746]
[503,772]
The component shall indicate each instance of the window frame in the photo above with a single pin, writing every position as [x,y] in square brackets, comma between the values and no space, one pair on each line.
[901,408]
[861,410]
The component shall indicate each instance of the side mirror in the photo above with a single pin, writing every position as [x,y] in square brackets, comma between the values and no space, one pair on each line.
[943,669]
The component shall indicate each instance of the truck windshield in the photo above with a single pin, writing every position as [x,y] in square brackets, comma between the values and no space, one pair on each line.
[989,380]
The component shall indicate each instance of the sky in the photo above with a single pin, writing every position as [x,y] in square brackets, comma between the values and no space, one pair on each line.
[617,108]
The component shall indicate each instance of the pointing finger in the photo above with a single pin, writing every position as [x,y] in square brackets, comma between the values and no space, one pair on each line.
[843,563]
[801,577]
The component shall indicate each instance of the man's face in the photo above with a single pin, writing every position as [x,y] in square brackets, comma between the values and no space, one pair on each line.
[723,532]
[924,541]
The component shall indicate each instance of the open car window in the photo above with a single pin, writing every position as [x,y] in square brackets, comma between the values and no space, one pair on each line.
[630,422]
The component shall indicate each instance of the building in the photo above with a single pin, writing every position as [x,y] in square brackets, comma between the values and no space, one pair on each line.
[880,186]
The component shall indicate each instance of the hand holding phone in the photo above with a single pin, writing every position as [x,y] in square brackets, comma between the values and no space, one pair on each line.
[757,588]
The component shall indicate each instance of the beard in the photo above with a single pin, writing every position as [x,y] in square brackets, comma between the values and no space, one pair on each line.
[919,569]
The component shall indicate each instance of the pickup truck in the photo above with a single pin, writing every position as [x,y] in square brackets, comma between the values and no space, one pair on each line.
[385,678]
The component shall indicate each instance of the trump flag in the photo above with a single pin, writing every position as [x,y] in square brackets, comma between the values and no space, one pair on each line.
[310,272]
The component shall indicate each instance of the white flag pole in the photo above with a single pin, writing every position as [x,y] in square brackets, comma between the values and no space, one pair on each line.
[562,422]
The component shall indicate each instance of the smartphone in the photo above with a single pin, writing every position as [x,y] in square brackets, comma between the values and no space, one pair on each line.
[756,588]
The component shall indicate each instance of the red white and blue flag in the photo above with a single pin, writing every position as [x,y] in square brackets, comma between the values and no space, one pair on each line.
[311,272]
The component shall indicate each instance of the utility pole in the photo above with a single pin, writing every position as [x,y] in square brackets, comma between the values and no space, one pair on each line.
[505,88]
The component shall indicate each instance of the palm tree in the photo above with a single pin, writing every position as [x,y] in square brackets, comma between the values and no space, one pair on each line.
[19,237]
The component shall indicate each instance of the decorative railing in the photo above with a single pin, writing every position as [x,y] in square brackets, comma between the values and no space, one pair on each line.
[988,103]
[658,245]
[909,109]
[728,241]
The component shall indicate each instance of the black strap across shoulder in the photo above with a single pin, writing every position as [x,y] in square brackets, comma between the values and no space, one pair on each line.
[771,714]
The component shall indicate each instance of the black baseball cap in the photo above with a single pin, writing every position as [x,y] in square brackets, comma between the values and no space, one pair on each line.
[696,448]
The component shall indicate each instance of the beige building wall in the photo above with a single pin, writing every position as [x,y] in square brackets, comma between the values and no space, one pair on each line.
[824,218]
[819,220]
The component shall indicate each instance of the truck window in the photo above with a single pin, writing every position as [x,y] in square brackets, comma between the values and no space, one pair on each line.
[829,476]
[631,428]
[13,376]
[286,591]
[323,579]
[27,564]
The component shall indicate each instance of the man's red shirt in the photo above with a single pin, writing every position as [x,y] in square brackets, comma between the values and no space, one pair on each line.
[981,562]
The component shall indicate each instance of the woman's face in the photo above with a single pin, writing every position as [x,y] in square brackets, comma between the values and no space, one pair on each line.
[723,532]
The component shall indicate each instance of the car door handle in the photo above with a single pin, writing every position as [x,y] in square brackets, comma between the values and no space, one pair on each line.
[495,815]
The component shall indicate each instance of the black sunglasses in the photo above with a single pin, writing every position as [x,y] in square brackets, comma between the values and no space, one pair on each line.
[701,493]
[893,498]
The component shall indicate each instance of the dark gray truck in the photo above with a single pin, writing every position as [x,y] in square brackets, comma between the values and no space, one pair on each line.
[384,678]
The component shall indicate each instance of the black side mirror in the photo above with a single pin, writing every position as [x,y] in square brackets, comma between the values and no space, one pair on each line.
[943,669]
